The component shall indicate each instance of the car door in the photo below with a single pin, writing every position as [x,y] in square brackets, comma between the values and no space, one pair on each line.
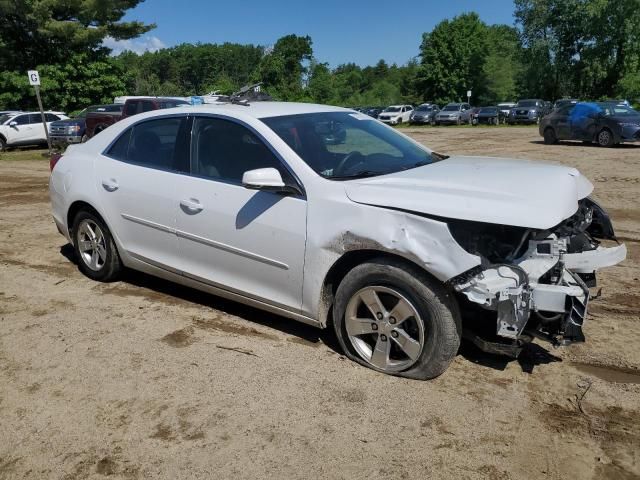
[561,122]
[246,241]
[20,130]
[136,182]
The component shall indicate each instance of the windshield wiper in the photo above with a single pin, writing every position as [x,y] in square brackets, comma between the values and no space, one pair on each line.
[359,174]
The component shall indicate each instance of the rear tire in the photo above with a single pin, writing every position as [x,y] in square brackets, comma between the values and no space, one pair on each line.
[94,247]
[3,145]
[550,136]
[420,346]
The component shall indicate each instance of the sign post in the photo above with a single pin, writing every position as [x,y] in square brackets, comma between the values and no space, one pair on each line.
[469,96]
[34,79]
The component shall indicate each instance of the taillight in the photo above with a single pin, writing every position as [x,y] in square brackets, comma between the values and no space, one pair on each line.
[55,157]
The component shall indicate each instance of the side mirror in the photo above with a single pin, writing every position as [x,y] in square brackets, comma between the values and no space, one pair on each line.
[13,124]
[263,179]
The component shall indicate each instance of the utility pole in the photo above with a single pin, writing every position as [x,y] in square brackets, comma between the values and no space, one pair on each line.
[34,79]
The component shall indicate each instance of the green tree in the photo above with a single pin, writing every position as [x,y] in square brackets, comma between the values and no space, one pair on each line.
[320,86]
[582,48]
[284,69]
[452,59]
[46,32]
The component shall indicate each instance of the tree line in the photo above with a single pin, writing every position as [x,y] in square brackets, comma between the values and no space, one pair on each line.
[556,48]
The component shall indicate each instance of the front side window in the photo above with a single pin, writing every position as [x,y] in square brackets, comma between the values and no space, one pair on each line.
[50,117]
[157,144]
[224,150]
[341,145]
[21,120]
[132,108]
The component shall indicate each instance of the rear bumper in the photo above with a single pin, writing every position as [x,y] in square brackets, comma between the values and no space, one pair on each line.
[60,139]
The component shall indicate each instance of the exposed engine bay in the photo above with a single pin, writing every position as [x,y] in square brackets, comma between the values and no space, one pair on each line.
[537,281]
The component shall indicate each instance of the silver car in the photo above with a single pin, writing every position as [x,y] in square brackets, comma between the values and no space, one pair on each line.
[454,114]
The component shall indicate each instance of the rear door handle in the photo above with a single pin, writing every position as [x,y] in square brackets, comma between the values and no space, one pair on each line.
[191,205]
[110,185]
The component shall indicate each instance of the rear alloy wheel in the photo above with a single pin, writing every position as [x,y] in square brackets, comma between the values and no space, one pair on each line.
[94,247]
[605,138]
[396,320]
[550,136]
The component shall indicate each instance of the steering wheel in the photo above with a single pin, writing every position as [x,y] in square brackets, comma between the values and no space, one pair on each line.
[339,170]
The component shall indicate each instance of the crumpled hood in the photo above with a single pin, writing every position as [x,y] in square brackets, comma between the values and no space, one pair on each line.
[493,190]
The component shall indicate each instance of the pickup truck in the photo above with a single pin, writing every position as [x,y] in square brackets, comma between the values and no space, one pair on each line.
[98,121]
[73,130]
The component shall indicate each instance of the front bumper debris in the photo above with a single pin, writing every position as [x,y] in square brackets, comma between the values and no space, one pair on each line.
[542,293]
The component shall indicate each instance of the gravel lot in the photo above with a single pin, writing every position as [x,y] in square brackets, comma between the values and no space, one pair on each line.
[145,379]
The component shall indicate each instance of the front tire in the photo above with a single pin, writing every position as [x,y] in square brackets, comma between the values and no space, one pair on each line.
[3,145]
[550,136]
[605,138]
[395,319]
[94,247]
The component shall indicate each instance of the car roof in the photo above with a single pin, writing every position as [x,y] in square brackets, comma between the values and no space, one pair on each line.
[258,109]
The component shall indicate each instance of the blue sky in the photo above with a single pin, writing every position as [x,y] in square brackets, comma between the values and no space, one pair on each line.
[342,30]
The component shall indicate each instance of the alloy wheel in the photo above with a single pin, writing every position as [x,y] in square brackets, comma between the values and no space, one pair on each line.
[604,138]
[91,245]
[384,328]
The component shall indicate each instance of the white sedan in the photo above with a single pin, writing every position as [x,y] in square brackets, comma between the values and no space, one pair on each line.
[328,217]
[19,129]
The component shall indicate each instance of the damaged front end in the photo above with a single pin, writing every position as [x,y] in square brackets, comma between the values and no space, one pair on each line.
[536,281]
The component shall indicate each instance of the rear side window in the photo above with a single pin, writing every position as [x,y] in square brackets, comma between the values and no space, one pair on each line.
[160,144]
[147,106]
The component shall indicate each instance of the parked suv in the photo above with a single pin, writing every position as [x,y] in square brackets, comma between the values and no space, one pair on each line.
[454,113]
[396,114]
[73,130]
[396,247]
[425,113]
[25,128]
[527,111]
[98,121]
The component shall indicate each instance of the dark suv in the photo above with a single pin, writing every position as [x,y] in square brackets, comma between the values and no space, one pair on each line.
[527,111]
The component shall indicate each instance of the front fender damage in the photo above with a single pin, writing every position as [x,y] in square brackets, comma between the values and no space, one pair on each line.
[424,241]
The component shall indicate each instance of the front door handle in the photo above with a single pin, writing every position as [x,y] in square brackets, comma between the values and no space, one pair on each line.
[191,206]
[110,185]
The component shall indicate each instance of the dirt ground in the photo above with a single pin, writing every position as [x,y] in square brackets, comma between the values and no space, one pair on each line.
[144,379]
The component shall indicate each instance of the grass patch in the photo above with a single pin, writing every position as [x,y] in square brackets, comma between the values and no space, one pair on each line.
[25,154]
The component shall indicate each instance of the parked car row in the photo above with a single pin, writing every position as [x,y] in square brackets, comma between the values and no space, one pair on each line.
[19,129]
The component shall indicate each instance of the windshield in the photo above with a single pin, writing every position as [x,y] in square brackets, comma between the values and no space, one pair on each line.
[526,103]
[392,109]
[342,146]
[5,117]
[610,109]
[451,108]
[424,108]
[489,110]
